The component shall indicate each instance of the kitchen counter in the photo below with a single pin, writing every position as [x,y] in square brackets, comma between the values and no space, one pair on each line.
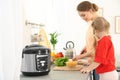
[58,75]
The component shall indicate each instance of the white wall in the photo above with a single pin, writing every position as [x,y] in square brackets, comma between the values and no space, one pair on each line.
[65,19]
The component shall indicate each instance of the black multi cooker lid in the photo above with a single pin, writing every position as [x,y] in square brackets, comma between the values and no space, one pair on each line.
[34,48]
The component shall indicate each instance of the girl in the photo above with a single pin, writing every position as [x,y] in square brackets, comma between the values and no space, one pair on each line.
[104,60]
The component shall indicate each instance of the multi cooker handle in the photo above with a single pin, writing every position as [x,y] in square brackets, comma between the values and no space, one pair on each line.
[33,45]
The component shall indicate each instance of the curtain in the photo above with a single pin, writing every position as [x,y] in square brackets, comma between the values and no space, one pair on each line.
[11,24]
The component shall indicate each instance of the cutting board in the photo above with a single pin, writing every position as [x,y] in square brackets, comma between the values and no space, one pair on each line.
[65,68]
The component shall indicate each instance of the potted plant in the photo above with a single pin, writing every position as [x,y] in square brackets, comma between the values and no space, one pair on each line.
[53,39]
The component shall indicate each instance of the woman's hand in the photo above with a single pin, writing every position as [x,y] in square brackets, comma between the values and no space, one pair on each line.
[79,56]
[76,58]
[83,50]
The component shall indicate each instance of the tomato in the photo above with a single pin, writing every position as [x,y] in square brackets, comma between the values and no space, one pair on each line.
[59,54]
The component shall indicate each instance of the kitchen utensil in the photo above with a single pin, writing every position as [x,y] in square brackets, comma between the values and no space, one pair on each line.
[65,68]
[35,60]
[69,50]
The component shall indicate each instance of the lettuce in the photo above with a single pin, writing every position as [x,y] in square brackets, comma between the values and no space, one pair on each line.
[61,61]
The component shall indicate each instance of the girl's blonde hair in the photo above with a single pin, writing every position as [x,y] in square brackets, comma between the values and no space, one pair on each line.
[100,24]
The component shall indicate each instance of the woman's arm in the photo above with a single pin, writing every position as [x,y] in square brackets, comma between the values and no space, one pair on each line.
[85,54]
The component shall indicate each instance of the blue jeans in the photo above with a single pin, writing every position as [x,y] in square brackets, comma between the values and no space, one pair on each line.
[95,75]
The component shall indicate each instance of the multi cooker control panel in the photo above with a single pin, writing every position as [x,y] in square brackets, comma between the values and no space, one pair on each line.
[42,60]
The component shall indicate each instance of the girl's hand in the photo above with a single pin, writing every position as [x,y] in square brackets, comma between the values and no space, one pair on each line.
[85,70]
[92,66]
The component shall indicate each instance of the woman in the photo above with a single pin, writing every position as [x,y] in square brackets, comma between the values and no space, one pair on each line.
[88,12]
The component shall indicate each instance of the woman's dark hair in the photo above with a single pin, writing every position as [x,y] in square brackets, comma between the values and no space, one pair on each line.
[86,6]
